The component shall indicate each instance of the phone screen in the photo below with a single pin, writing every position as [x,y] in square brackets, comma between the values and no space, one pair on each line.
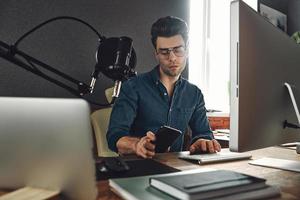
[165,137]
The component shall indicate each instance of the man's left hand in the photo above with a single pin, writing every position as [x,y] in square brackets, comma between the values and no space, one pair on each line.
[203,145]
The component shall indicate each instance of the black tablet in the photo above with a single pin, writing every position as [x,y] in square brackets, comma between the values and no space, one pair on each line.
[165,137]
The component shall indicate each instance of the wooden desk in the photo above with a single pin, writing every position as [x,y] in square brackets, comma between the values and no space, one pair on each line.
[289,182]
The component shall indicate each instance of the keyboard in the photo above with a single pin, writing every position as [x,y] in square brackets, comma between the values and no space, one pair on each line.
[224,155]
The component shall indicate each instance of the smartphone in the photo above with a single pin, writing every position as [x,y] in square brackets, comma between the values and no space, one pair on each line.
[165,137]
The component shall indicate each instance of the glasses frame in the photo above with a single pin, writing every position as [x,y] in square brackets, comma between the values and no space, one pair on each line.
[166,54]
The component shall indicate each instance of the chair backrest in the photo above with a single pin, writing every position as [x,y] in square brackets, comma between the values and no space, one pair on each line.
[109,93]
[100,119]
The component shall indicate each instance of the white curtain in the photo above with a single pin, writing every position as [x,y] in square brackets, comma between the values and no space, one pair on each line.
[210,50]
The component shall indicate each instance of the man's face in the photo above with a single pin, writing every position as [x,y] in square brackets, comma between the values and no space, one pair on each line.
[171,54]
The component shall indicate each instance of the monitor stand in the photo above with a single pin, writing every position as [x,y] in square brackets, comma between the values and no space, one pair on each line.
[284,164]
[287,124]
[289,87]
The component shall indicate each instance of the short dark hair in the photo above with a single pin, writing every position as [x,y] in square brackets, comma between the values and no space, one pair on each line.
[167,27]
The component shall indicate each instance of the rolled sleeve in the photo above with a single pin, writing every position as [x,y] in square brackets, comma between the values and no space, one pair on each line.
[123,115]
[199,123]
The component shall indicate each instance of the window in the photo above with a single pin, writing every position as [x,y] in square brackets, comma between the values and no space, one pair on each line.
[209,55]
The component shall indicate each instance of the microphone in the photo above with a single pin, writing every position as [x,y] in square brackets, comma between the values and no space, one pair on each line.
[123,53]
[116,59]
[123,56]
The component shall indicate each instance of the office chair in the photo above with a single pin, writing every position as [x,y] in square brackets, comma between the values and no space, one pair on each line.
[100,120]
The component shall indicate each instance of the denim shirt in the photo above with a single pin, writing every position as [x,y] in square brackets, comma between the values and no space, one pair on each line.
[144,105]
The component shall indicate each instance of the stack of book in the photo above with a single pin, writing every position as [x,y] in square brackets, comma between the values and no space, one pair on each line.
[204,183]
[219,184]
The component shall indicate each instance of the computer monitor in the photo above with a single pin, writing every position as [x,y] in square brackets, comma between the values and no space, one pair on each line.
[263,59]
[47,143]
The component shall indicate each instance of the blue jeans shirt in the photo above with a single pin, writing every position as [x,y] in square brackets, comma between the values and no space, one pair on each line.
[144,105]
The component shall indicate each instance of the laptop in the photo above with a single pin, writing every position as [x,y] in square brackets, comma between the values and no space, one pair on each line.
[47,143]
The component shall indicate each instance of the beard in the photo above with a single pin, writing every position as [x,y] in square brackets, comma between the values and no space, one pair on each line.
[172,72]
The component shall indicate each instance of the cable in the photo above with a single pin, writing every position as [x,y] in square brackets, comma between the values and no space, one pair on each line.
[43,24]
[32,65]
[55,19]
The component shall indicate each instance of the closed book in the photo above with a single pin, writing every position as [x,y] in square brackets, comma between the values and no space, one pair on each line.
[261,193]
[207,184]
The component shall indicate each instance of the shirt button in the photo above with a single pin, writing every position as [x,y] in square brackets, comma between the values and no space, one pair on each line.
[156,82]
[165,94]
[170,109]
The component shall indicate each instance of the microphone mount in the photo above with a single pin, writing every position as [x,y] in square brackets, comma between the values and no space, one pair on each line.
[107,60]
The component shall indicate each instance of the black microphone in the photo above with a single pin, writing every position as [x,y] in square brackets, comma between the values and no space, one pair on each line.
[123,56]
[123,53]
[116,59]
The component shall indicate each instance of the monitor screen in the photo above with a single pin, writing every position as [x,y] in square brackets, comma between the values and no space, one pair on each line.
[47,143]
[262,59]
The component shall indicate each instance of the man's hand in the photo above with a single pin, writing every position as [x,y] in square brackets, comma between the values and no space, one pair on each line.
[203,145]
[144,147]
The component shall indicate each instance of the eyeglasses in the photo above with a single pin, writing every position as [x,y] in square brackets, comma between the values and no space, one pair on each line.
[178,51]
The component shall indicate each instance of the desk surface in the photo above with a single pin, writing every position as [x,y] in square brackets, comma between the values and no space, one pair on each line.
[289,182]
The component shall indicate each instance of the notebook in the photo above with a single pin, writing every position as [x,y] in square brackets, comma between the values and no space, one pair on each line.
[224,155]
[205,185]
[47,143]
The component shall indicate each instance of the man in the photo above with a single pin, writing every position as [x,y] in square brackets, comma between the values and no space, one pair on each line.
[161,97]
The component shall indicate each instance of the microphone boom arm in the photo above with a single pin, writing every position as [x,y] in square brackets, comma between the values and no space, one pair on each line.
[9,53]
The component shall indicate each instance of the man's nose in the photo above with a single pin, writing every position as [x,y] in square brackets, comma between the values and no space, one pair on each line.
[172,56]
